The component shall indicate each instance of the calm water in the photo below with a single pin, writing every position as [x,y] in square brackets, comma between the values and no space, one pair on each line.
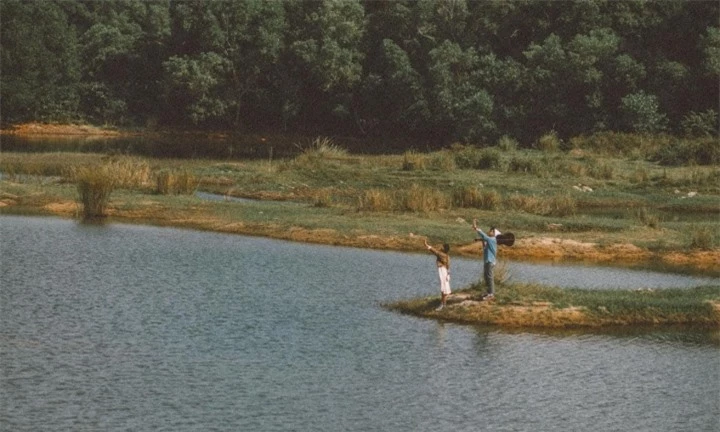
[120,327]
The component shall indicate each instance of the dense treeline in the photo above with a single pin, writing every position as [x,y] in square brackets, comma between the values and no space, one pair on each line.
[446,70]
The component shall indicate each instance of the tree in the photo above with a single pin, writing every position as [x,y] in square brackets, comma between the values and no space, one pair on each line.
[460,109]
[122,52]
[327,57]
[231,47]
[641,113]
[40,65]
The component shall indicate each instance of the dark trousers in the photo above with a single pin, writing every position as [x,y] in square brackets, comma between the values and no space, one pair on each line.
[489,274]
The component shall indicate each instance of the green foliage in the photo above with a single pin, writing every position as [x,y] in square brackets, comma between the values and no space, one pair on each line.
[641,113]
[470,157]
[507,143]
[40,63]
[684,152]
[549,142]
[704,124]
[434,72]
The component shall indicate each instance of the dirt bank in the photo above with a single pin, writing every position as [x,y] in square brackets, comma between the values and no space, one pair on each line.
[538,248]
[28,129]
[467,308]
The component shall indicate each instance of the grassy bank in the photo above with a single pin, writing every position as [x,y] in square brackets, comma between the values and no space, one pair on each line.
[575,204]
[526,305]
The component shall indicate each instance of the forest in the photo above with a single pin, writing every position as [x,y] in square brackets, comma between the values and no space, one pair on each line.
[441,71]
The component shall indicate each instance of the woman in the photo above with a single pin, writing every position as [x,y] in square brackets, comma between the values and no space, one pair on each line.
[443,266]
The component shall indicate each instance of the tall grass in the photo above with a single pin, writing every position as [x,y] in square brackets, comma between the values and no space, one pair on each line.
[413,160]
[549,142]
[703,237]
[94,185]
[422,199]
[96,182]
[176,183]
[475,197]
[413,199]
[320,149]
[467,157]
[647,218]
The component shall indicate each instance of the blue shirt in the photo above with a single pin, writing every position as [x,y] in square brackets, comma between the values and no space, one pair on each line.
[490,248]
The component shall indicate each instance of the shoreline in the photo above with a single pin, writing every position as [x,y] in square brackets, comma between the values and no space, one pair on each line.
[532,311]
[539,247]
[533,248]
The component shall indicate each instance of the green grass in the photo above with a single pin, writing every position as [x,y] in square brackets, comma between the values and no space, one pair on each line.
[560,307]
[632,199]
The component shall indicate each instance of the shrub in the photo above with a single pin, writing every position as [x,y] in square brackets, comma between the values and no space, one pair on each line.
[549,142]
[701,151]
[475,158]
[443,161]
[703,124]
[507,143]
[489,159]
[524,165]
[641,113]
[614,143]
[466,157]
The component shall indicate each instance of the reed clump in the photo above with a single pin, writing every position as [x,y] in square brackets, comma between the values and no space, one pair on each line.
[475,197]
[413,160]
[416,198]
[423,199]
[176,183]
[95,183]
[320,149]
[376,200]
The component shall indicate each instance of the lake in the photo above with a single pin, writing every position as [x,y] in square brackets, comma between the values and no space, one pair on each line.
[125,327]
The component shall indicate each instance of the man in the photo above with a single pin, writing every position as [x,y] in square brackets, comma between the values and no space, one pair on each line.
[489,258]
[443,266]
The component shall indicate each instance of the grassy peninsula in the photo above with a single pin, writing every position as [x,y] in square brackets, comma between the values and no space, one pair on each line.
[527,305]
